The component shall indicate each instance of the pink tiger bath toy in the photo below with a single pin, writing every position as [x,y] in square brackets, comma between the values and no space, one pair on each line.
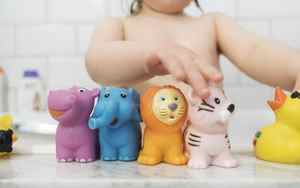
[206,137]
[72,108]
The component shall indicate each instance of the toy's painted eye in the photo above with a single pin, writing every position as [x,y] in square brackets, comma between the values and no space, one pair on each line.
[295,94]
[123,95]
[217,101]
[162,98]
[176,98]
[106,95]
[82,90]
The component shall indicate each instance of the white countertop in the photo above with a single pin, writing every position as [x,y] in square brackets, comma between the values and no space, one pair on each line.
[33,164]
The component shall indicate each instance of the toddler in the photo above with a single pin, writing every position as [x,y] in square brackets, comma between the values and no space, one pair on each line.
[158,40]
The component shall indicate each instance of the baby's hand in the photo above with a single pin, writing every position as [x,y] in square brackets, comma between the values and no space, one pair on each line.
[184,65]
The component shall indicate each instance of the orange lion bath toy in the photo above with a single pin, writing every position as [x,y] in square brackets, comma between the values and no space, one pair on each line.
[164,111]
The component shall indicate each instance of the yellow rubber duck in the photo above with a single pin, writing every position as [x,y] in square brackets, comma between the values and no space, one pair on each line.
[7,136]
[280,141]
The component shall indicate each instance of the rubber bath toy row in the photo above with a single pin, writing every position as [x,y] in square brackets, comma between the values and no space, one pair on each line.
[114,126]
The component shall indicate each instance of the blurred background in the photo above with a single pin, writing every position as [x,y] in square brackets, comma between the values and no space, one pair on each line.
[43,42]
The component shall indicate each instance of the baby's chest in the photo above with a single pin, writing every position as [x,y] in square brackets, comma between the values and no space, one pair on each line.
[189,34]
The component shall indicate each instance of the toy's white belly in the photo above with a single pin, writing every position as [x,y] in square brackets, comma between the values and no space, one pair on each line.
[212,144]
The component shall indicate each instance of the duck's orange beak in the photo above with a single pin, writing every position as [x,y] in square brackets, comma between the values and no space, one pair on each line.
[280,98]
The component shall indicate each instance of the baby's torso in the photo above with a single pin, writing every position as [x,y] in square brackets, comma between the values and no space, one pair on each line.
[212,144]
[196,34]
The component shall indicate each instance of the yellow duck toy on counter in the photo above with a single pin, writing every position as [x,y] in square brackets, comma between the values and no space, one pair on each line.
[280,141]
[7,136]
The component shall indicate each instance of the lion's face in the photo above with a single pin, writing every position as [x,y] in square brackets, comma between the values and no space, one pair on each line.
[168,105]
[164,108]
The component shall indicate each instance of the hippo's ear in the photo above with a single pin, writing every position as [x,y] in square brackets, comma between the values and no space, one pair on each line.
[74,87]
[95,92]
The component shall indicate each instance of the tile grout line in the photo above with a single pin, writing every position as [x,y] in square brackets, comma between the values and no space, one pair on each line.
[46,8]
[236,8]
[76,39]
[15,40]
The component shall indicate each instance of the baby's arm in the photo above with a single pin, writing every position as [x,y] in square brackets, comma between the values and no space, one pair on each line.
[261,59]
[113,61]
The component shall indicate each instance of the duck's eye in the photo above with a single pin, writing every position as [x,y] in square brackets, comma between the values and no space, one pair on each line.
[217,101]
[106,95]
[162,98]
[123,95]
[295,94]
[176,98]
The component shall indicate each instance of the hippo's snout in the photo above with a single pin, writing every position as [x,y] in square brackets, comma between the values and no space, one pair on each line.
[60,100]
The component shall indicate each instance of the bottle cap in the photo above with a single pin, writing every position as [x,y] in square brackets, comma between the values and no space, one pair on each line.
[31,73]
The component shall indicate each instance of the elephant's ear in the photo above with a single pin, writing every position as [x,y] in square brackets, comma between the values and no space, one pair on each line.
[135,95]
[136,100]
[130,90]
[137,114]
[99,107]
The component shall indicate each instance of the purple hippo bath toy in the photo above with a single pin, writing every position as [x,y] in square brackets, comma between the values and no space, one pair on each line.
[72,108]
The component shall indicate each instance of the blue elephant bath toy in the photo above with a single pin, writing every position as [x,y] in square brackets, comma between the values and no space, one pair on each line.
[117,117]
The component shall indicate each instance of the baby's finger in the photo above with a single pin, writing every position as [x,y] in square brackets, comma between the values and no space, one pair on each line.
[173,65]
[197,82]
[209,71]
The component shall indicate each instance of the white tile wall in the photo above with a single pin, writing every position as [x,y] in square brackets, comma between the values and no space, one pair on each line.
[84,35]
[271,9]
[67,71]
[45,40]
[22,11]
[76,11]
[53,36]
[231,72]
[226,6]
[7,44]
[286,30]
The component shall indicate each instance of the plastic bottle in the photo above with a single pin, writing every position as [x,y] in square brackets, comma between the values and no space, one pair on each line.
[31,92]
